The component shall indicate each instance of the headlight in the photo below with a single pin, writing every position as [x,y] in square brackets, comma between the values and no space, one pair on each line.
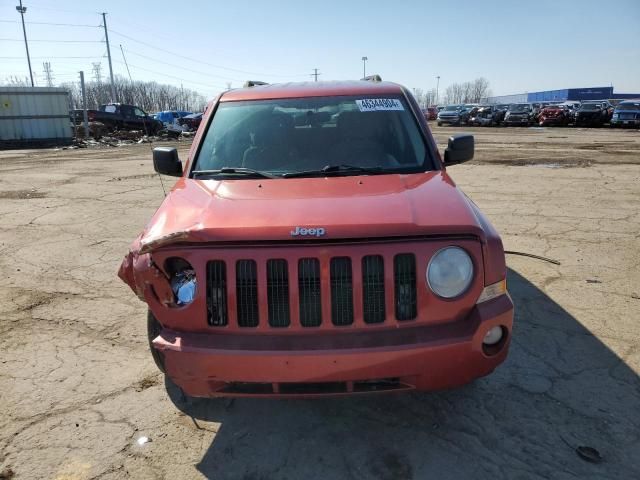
[615,115]
[450,272]
[183,280]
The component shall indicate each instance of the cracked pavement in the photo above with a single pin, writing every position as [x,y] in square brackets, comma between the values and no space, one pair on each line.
[78,386]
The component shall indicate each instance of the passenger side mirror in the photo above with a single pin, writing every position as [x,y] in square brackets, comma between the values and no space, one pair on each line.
[459,150]
[166,161]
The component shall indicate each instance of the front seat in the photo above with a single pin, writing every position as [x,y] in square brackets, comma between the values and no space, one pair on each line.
[359,140]
[270,144]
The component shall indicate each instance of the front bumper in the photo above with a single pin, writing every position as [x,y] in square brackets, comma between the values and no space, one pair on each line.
[450,120]
[421,358]
[625,122]
[516,121]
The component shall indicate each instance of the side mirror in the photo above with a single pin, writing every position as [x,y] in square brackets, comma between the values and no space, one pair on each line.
[459,150]
[166,161]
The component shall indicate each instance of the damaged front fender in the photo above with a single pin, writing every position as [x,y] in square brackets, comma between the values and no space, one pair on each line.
[144,277]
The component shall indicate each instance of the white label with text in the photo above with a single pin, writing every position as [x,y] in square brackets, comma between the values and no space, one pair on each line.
[379,104]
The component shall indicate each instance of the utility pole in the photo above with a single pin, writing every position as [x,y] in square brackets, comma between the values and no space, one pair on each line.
[85,116]
[22,11]
[97,72]
[364,67]
[437,88]
[106,38]
[315,74]
[48,73]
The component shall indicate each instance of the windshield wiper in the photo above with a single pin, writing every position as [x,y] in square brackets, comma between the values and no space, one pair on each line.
[328,170]
[249,172]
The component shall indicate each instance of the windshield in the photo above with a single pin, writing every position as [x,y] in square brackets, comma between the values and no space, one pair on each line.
[452,108]
[590,106]
[302,134]
[628,106]
[520,108]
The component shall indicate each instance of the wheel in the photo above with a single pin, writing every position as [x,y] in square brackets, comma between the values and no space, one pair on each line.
[439,124]
[153,330]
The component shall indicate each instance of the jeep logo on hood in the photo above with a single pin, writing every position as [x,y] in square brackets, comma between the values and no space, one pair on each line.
[308,232]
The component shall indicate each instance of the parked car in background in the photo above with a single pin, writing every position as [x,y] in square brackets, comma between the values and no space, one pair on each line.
[192,122]
[553,115]
[485,116]
[626,114]
[120,116]
[454,114]
[170,118]
[519,114]
[593,113]
[430,113]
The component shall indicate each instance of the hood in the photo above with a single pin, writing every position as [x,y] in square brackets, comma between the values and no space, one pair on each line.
[344,207]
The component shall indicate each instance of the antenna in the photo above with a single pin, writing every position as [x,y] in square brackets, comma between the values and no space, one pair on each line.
[97,72]
[48,73]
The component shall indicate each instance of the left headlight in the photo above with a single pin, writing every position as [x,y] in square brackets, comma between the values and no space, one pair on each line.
[183,280]
[450,272]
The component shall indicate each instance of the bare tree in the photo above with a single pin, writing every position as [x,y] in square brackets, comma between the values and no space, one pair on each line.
[467,92]
[480,89]
[150,96]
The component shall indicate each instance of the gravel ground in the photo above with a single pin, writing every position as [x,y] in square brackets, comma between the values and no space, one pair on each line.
[78,387]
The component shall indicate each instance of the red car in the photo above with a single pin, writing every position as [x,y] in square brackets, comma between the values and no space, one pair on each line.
[315,244]
[553,115]
[430,113]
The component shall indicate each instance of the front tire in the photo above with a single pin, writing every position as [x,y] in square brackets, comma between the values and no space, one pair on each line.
[153,330]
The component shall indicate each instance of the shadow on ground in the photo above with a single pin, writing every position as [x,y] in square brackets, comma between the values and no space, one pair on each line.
[560,388]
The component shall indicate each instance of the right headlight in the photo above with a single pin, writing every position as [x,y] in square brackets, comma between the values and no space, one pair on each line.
[450,272]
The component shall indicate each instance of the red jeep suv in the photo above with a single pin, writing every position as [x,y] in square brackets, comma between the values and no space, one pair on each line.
[315,244]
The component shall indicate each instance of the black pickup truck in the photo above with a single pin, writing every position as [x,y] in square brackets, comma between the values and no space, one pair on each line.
[118,116]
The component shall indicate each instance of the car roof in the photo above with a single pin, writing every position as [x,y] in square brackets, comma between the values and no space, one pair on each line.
[312,89]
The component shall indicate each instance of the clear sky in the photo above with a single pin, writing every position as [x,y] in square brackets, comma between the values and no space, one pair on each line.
[517,45]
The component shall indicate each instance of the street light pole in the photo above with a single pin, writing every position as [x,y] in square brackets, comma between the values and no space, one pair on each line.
[437,88]
[22,11]
[364,67]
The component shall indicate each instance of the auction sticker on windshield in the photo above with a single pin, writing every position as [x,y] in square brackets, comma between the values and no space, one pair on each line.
[379,104]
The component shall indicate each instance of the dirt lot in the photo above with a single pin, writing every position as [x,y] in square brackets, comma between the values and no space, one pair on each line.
[78,387]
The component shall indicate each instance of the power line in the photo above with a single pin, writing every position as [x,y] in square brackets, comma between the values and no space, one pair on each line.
[53,24]
[50,41]
[181,67]
[47,57]
[208,85]
[200,61]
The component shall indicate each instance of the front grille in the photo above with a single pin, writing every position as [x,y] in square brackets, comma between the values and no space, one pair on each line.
[217,298]
[247,293]
[322,290]
[373,289]
[278,293]
[404,266]
[309,292]
[341,291]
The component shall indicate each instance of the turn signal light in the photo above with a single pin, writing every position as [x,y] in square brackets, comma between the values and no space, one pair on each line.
[493,291]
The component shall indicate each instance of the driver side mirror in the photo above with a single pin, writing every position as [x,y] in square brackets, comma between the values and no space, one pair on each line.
[166,161]
[460,149]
